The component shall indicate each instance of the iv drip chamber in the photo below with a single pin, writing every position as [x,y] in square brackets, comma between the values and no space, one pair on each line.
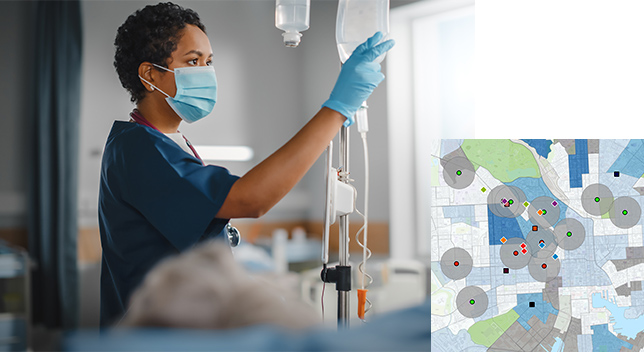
[292,16]
[357,21]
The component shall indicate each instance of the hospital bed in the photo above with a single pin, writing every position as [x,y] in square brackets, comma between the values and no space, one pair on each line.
[402,330]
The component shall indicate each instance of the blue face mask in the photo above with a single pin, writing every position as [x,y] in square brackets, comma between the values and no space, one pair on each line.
[196,91]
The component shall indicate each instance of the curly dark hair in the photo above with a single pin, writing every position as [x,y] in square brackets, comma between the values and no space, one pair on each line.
[150,34]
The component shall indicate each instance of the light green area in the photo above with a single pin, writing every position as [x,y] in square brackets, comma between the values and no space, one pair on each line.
[504,159]
[433,177]
[486,332]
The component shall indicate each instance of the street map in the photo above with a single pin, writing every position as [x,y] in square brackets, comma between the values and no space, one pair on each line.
[537,245]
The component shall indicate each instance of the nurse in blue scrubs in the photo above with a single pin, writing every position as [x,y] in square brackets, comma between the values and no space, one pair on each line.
[157,198]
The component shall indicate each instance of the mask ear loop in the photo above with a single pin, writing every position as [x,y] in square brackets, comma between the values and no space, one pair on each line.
[153,86]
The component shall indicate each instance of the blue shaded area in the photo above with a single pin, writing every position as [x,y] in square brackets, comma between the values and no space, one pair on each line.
[584,342]
[449,145]
[542,146]
[525,225]
[499,227]
[605,341]
[637,305]
[492,307]
[627,327]
[534,188]
[493,275]
[630,161]
[582,272]
[609,248]
[460,213]
[541,308]
[578,163]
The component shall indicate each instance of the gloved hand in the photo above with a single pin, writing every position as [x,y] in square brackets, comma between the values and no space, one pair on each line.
[358,78]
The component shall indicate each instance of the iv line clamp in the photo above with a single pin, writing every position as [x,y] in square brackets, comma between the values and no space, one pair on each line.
[340,275]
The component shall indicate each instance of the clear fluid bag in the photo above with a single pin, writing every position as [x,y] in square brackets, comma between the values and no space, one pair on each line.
[357,21]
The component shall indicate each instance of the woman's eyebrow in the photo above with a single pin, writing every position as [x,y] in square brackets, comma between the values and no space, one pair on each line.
[197,52]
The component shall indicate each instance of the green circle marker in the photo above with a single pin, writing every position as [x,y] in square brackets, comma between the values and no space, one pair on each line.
[569,234]
[597,199]
[624,212]
[544,211]
[472,302]
[511,201]
[459,172]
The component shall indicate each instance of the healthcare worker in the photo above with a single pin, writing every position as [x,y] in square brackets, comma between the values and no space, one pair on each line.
[157,198]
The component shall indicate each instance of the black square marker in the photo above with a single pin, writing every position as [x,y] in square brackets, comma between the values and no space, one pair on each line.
[531,304]
[506,270]
[616,173]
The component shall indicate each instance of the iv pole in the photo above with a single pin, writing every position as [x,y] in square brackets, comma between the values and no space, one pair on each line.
[341,273]
[343,296]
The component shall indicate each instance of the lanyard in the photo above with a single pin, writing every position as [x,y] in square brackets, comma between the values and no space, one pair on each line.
[138,118]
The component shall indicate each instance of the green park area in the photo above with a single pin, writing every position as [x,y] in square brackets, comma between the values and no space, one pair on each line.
[504,159]
[486,332]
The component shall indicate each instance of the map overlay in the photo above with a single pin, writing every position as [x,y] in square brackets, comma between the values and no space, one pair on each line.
[537,245]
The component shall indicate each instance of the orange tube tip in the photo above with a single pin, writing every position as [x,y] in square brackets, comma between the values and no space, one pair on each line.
[362,301]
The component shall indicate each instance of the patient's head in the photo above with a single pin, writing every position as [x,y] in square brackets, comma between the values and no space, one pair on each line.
[205,288]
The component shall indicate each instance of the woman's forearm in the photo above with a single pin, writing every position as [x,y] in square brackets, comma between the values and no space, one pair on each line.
[267,183]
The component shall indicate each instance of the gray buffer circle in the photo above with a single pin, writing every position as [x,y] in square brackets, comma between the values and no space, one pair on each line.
[544,267]
[513,255]
[549,213]
[506,201]
[458,172]
[570,234]
[625,212]
[456,263]
[472,301]
[541,242]
[597,199]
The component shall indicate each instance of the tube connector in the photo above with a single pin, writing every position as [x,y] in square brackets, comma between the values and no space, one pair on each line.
[361,119]
[292,38]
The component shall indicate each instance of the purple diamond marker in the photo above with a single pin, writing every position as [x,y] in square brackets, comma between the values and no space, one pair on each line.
[504,200]
[554,203]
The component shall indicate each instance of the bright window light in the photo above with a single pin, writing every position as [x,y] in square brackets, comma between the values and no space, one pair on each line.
[224,153]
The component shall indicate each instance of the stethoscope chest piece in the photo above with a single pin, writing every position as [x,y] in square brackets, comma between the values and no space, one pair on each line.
[233,235]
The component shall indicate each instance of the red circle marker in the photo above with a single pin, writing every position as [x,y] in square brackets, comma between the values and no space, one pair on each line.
[544,265]
[516,253]
[456,263]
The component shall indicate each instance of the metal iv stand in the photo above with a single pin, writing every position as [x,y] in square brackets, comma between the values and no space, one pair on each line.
[341,274]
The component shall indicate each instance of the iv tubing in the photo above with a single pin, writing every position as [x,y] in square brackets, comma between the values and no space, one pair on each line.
[363,301]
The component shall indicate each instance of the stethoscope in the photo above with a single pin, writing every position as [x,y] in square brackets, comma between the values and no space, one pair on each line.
[233,234]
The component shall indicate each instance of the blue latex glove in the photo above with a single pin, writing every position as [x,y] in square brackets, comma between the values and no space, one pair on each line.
[358,78]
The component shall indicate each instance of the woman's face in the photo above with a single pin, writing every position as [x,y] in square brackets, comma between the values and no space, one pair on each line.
[193,49]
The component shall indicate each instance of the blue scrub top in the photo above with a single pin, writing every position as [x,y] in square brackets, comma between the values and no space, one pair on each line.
[155,200]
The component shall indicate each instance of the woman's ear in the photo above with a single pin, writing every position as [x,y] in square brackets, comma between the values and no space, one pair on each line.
[145,72]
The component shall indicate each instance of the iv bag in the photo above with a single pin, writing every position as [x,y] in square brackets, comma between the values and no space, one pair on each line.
[292,16]
[357,21]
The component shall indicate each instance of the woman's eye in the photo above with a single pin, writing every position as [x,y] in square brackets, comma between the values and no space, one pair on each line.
[194,61]
[209,63]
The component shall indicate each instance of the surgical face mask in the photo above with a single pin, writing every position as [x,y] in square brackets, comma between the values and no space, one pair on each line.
[196,91]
